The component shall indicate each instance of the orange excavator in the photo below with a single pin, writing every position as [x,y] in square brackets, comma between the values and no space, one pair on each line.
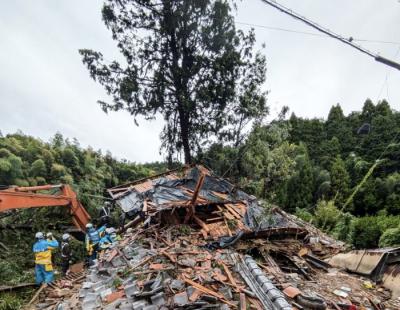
[14,197]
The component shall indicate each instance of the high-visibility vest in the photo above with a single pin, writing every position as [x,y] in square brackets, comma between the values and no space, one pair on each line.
[42,250]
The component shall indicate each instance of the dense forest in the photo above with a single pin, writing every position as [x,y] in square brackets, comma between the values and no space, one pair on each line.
[27,161]
[340,173]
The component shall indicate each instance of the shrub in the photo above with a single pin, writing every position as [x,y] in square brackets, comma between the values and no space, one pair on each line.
[304,215]
[366,232]
[326,215]
[390,237]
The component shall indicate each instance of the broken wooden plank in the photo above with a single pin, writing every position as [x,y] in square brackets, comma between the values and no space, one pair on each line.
[208,291]
[243,304]
[196,192]
[16,287]
[41,288]
[229,274]
[201,223]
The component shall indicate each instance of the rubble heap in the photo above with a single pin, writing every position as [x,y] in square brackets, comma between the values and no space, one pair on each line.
[197,242]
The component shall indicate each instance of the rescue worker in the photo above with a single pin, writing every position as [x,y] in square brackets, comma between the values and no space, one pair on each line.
[109,238]
[66,253]
[92,240]
[43,265]
[105,240]
[50,237]
[113,235]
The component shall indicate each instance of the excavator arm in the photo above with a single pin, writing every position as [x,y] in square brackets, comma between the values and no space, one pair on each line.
[27,197]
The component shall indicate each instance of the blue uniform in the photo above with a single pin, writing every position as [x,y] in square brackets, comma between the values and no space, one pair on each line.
[43,266]
[105,241]
[92,242]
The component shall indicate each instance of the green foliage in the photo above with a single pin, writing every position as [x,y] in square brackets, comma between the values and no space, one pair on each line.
[269,158]
[186,61]
[390,237]
[301,184]
[321,168]
[367,231]
[340,181]
[26,161]
[326,215]
[38,168]
[10,302]
[304,215]
[343,228]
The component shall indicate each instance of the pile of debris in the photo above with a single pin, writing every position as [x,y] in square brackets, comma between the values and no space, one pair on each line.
[197,242]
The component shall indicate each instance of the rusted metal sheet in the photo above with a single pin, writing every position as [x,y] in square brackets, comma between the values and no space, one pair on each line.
[371,263]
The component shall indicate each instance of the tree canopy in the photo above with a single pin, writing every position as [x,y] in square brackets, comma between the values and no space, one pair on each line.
[185,61]
[341,172]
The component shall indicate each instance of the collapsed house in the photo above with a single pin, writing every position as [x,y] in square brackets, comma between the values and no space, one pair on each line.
[195,241]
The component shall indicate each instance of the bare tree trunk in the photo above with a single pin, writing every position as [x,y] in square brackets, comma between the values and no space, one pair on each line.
[184,124]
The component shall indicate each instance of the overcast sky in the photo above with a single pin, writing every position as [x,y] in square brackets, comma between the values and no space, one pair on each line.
[44,87]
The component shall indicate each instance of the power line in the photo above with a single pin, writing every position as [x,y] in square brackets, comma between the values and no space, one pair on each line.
[330,33]
[311,33]
[385,81]
[282,29]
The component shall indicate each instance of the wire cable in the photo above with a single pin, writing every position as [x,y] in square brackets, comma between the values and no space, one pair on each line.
[385,81]
[330,33]
[311,33]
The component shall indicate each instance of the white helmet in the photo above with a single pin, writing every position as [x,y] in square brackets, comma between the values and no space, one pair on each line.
[49,235]
[108,231]
[89,225]
[112,230]
[65,237]
[39,235]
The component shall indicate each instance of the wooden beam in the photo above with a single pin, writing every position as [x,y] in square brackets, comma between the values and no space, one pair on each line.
[191,211]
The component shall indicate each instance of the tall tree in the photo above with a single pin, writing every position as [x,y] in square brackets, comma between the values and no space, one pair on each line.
[340,181]
[300,186]
[186,61]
